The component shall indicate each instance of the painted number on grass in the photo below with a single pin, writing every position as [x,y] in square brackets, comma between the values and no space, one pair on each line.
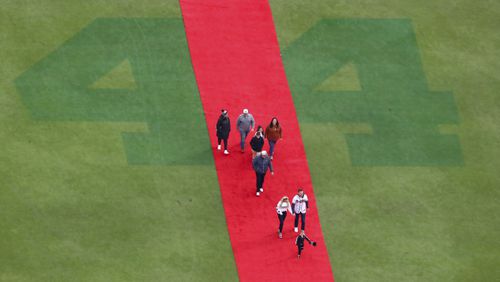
[125,70]
[369,71]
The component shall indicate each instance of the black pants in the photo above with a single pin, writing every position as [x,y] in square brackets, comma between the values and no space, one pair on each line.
[260,180]
[282,217]
[303,219]
[225,142]
[300,247]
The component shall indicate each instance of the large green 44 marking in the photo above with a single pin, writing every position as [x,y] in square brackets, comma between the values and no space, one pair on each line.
[394,97]
[165,97]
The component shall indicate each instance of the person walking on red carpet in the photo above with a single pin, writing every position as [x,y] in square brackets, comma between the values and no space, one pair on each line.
[261,163]
[223,129]
[257,142]
[273,134]
[300,204]
[281,208]
[299,241]
[245,124]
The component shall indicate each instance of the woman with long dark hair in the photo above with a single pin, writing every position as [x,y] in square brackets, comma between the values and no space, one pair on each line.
[273,134]
[257,142]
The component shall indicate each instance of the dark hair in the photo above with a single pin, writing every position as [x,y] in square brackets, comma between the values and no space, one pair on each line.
[258,128]
[300,189]
[277,122]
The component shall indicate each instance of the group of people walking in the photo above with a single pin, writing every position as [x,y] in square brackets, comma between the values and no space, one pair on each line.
[262,163]
[298,207]
[246,124]
[261,160]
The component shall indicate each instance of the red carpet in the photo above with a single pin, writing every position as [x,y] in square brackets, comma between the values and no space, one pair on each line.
[236,59]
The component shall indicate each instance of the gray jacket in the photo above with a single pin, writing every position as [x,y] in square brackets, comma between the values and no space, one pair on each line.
[245,123]
[262,164]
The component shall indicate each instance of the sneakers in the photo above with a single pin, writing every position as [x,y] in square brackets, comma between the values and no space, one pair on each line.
[280,235]
[258,194]
[226,152]
[218,147]
[261,189]
[271,157]
[296,229]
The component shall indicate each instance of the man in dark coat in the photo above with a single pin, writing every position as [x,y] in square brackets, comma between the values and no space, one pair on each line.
[261,164]
[223,129]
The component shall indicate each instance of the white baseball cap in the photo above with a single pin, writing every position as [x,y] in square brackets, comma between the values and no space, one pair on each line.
[264,153]
[245,111]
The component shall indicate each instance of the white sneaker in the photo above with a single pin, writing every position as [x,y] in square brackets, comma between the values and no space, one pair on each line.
[218,147]
[226,152]
[258,194]
[261,189]
[296,229]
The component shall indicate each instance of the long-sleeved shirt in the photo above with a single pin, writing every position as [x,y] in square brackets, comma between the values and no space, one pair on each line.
[257,143]
[261,164]
[273,133]
[223,126]
[300,204]
[299,241]
[282,207]
[245,122]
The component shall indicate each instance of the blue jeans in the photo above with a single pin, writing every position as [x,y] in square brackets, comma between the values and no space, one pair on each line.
[271,147]
[243,134]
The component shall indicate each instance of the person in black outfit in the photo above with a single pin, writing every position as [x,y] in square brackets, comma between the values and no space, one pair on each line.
[257,142]
[223,129]
[299,241]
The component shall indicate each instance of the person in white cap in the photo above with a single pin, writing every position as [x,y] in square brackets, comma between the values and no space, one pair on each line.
[245,124]
[281,208]
[261,164]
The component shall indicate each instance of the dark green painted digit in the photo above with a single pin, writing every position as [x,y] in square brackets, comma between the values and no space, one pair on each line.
[394,96]
[165,97]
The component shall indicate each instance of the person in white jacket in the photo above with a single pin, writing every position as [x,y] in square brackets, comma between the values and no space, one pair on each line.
[281,208]
[300,204]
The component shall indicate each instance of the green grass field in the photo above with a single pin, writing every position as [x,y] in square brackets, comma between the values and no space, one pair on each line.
[80,201]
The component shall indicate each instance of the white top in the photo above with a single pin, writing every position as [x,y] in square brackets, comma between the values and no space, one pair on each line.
[300,203]
[282,207]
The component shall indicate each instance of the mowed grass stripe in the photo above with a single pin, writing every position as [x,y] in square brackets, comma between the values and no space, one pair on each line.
[75,207]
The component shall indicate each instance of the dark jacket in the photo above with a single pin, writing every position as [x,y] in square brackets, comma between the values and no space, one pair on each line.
[223,127]
[273,133]
[257,143]
[262,164]
[299,241]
